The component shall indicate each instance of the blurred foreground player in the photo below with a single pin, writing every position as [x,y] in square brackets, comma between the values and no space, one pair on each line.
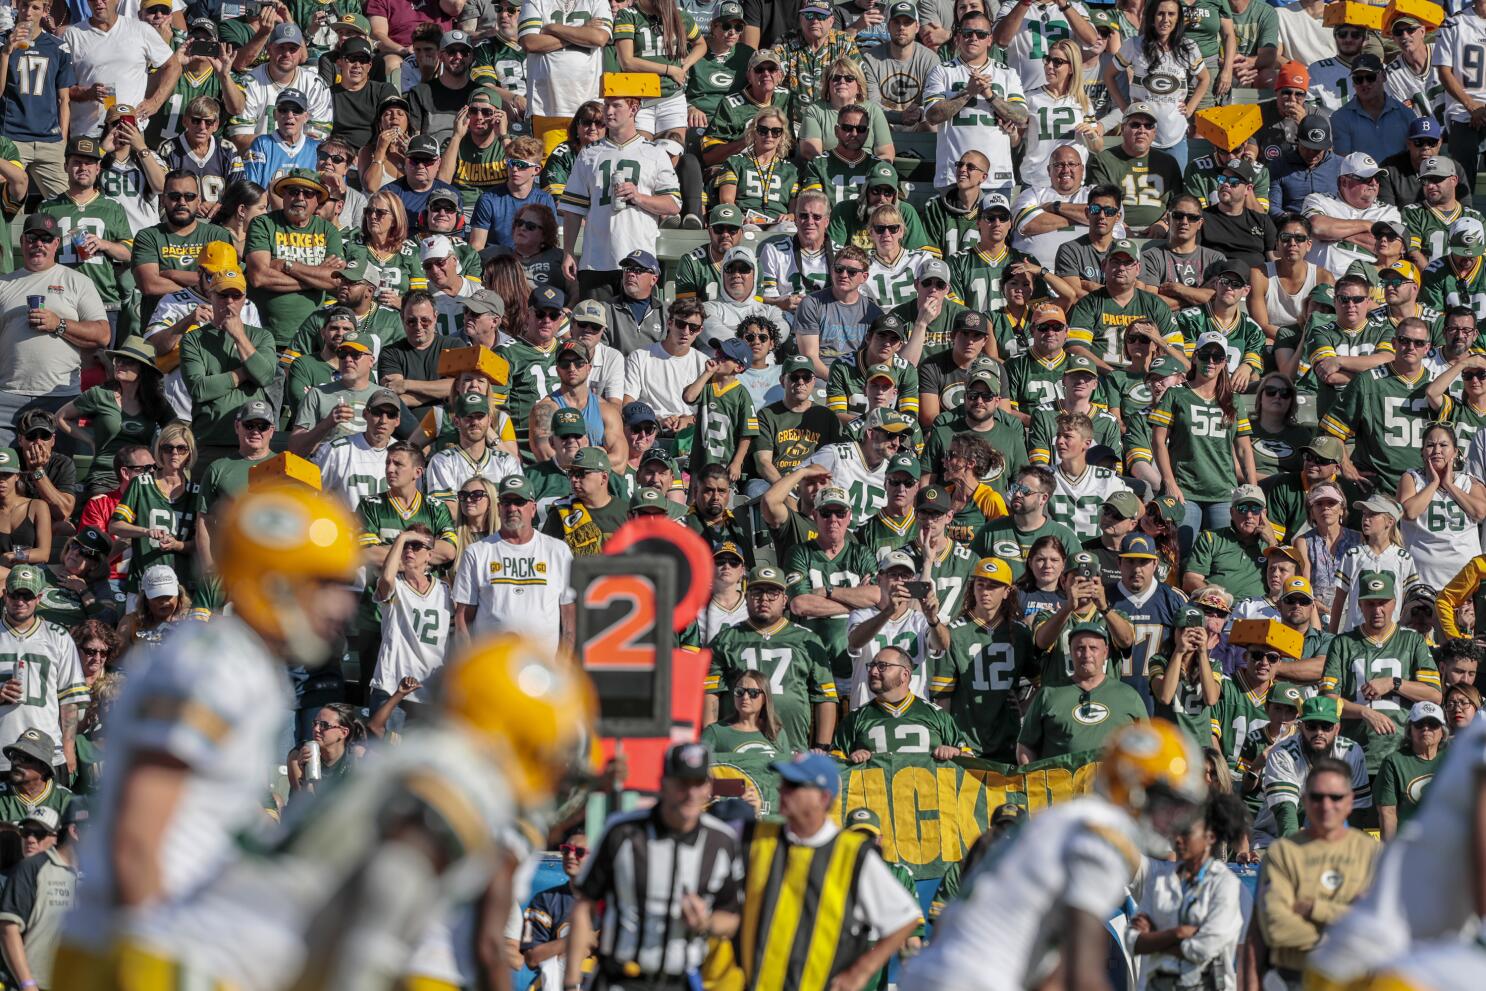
[338,900]
[1418,893]
[193,738]
[1041,905]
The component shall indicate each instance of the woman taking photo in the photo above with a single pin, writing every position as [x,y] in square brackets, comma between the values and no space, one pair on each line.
[242,202]
[385,240]
[586,127]
[1042,583]
[1403,779]
[25,523]
[761,179]
[1060,114]
[1443,506]
[126,409]
[1276,437]
[1165,71]
[843,85]
[339,735]
[1189,917]
[1279,290]
[658,37]
[754,727]
[993,648]
[382,159]
[166,494]
[1201,447]
[1325,543]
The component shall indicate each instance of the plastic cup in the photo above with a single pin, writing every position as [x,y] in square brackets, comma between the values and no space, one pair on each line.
[36,302]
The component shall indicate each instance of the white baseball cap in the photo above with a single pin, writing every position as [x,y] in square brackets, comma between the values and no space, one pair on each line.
[1362,165]
[437,246]
[158,581]
[1427,710]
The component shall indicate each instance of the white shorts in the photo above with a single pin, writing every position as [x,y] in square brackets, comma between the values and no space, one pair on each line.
[668,113]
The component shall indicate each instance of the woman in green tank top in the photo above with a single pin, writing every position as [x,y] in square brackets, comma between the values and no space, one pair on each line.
[754,728]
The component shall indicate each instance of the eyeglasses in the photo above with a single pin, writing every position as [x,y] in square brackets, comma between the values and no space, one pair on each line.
[849,270]
[633,269]
[1140,124]
[182,197]
[324,726]
[1294,238]
[816,16]
[1351,300]
[934,284]
[36,834]
[854,128]
[1326,796]
[979,34]
[333,159]
[208,121]
[744,692]
[1231,180]
[884,665]
[1182,216]
[549,315]
[1313,456]
[802,377]
[1411,342]
[474,495]
[1229,282]
[1098,210]
[573,849]
[572,363]
[886,228]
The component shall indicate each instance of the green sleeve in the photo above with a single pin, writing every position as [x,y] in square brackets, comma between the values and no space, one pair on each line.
[836,230]
[260,236]
[1385,791]
[1040,437]
[1162,318]
[1287,818]
[1331,674]
[1424,661]
[1099,170]
[845,729]
[814,127]
[264,364]
[1201,560]
[92,401]
[822,682]
[716,683]
[443,523]
[796,563]
[915,236]
[836,382]
[203,385]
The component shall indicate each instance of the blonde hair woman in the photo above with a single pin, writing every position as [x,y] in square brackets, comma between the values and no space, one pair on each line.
[478,517]
[892,269]
[761,179]
[844,85]
[384,240]
[1060,114]
[158,512]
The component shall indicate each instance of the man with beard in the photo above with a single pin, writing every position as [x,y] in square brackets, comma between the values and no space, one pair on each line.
[1288,495]
[898,69]
[356,290]
[163,258]
[1231,226]
[842,172]
[1404,185]
[1097,322]
[1290,761]
[710,516]
[1011,537]
[858,467]
[699,273]
[1461,281]
[32,781]
[1428,223]
[591,514]
[894,719]
[829,576]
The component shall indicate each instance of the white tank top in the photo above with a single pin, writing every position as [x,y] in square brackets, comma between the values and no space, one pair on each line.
[1285,309]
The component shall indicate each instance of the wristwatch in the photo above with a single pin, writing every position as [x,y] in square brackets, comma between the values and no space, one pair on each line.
[36,474]
[1397,684]
[61,330]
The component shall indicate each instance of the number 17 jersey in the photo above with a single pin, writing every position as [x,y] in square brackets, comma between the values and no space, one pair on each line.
[790,658]
[589,193]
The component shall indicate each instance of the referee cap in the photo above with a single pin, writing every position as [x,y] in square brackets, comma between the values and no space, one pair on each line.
[688,762]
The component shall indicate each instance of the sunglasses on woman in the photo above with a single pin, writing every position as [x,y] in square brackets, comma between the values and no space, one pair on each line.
[747,693]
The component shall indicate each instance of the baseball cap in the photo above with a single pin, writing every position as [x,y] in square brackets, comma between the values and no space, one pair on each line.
[1380,502]
[1423,711]
[229,279]
[394,100]
[1467,238]
[42,223]
[454,39]
[354,45]
[1124,246]
[764,56]
[646,260]
[886,419]
[484,301]
[1314,133]
[1284,693]
[286,32]
[725,215]
[735,350]
[1420,592]
[890,323]
[810,770]
[1325,294]
[796,363]
[1169,508]
[548,298]
[865,820]
[590,311]
[1298,586]
[990,377]
[1407,269]
[1046,312]
[933,499]
[1375,586]
[1367,62]
[443,195]
[882,370]
[971,322]
[1322,709]
[1325,491]
[44,816]
[905,463]
[896,559]
[471,403]
[739,254]
[1140,108]
[726,547]
[1138,546]
[647,499]
[90,538]
[994,201]
[382,398]
[1079,364]
[517,486]
[1008,814]
[435,247]
[687,761]
[1210,337]
[637,412]
[1326,446]
[1362,165]
[934,268]
[359,269]
[293,95]
[36,744]
[10,461]
[1436,167]
[574,347]
[903,8]
[1163,366]
[1424,127]
[1084,565]
[356,341]
[993,569]
[568,422]
[1285,551]
[159,580]
[661,455]
[817,6]
[1092,627]
[832,495]
[1245,170]
[590,459]
[1126,503]
[25,578]
[882,174]
[1292,75]
[84,147]
[257,409]
[422,146]
[767,575]
[1247,495]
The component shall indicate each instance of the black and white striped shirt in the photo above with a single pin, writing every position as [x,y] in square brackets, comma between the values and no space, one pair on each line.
[640,871]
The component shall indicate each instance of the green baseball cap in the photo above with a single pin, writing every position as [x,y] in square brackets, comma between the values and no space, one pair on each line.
[1162,367]
[1375,585]
[725,215]
[518,486]
[1080,364]
[649,500]
[1089,626]
[767,574]
[568,423]
[1467,238]
[25,578]
[1322,709]
[360,269]
[865,820]
[471,403]
[590,459]
[1284,693]
[881,370]
[1124,246]
[882,174]
[796,363]
[905,463]
[10,461]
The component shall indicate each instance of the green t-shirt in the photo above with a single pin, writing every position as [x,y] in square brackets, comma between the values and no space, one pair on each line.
[716,77]
[1064,719]
[225,477]
[980,675]
[791,658]
[110,429]
[1230,562]
[911,727]
[1001,538]
[172,252]
[1148,181]
[1200,438]
[144,505]
[103,218]
[722,739]
[401,271]
[1354,659]
[807,569]
[633,24]
[1006,436]
[585,528]
[1256,27]
[478,170]
[1204,24]
[1403,781]
[311,244]
[793,437]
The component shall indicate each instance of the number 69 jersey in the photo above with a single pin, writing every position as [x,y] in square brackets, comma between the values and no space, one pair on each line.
[340,898]
[974,128]
[600,167]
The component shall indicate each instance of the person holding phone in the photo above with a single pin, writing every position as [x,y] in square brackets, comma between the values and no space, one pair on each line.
[905,618]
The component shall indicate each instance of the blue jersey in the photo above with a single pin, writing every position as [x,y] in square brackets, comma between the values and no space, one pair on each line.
[1154,617]
[413,201]
[219,168]
[496,212]
[268,158]
[32,107]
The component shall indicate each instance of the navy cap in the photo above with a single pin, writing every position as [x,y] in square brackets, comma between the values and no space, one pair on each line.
[642,258]
[548,298]
[293,95]
[1424,127]
[637,412]
[736,349]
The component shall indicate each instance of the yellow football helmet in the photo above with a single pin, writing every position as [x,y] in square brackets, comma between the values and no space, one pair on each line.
[270,546]
[537,711]
[1147,760]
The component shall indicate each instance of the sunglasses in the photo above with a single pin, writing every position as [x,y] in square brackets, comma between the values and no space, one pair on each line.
[357,59]
[833,513]
[1231,180]
[39,435]
[1352,300]
[757,338]
[738,268]
[1474,375]
[849,270]
[1184,217]
[694,326]
[1411,342]
[94,651]
[934,284]
[886,228]
[843,78]
[334,159]
[1294,238]
[1265,655]
[1275,392]
[90,555]
[802,377]
[747,693]
[289,108]
[1326,796]
[574,849]
[35,834]
[182,197]
[817,16]
[854,128]
[521,163]
[1229,282]
[730,25]
[1049,327]
[1313,456]
[1141,124]
[383,412]
[591,122]
[1296,600]
[1364,78]
[968,167]
[482,111]
[324,726]
[1056,62]
[977,33]
[474,495]
[175,448]
[549,315]
[572,363]
[527,225]
[1098,210]
[1214,611]
[1349,32]
[1424,142]
[417,545]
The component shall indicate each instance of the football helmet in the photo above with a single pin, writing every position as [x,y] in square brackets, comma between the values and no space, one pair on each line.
[1155,773]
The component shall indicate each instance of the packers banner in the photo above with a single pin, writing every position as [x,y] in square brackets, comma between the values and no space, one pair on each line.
[931,811]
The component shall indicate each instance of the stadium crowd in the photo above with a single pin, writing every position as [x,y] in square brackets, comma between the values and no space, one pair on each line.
[1031,368]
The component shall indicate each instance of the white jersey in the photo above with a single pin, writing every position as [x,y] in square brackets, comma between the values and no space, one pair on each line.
[891,284]
[558,82]
[909,633]
[974,128]
[449,310]
[167,312]
[1080,854]
[1284,775]
[1443,539]
[277,918]
[352,467]
[1421,92]
[1460,45]
[1395,560]
[1029,203]
[1164,84]
[449,469]
[1331,84]
[44,659]
[1337,256]
[212,697]
[783,270]
[1076,501]
[866,487]
[611,234]
[1042,25]
[261,94]
[1417,892]
[714,619]
[519,587]
[1050,127]
[415,635]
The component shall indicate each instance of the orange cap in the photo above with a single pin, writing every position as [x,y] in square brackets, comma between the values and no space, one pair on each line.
[1048,311]
[1292,75]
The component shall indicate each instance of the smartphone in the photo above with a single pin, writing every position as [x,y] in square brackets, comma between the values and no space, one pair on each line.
[204,49]
[728,787]
[919,590]
[129,119]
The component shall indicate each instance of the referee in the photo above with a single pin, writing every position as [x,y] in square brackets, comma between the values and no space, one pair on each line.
[669,877]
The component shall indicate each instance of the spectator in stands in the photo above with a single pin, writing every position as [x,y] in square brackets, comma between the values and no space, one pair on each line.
[724,137]
[224,364]
[725,315]
[287,146]
[1080,715]
[1464,91]
[898,69]
[1372,121]
[1134,153]
[1462,704]
[28,537]
[635,317]
[657,374]
[165,254]
[354,96]
[1049,216]
[496,210]
[958,101]
[844,85]
[544,934]
[1404,185]
[591,514]
[1231,226]
[281,72]
[197,149]
[1232,556]
[113,55]
[1404,776]
[49,314]
[1309,168]
[293,254]
[127,408]
[410,367]
[37,111]
[382,160]
[699,273]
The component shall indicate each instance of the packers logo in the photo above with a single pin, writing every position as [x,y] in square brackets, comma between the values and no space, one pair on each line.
[1331,880]
[1141,394]
[132,427]
[1470,234]
[899,90]
[1161,84]
[1274,449]
[720,78]
[1375,585]
[1416,788]
[954,396]
[1007,550]
[1091,713]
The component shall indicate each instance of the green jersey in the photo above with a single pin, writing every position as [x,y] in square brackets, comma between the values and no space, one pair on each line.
[727,419]
[101,217]
[1278,453]
[402,270]
[111,429]
[1403,781]
[980,674]
[1331,341]
[1428,229]
[634,25]
[1057,661]
[1464,417]
[1226,560]
[715,77]
[698,276]
[733,115]
[792,437]
[954,230]
[808,569]
[311,244]
[849,226]
[846,388]
[1201,439]
[975,276]
[937,335]
[722,739]
[1044,429]
[1384,416]
[884,532]
[225,477]
[380,322]
[1354,659]
[1238,713]
[1148,182]
[759,188]
[9,204]
[840,180]
[1006,436]
[1098,321]
[1065,719]
[533,375]
[14,806]
[1443,288]
[1188,708]
[145,505]
[1245,338]
[951,577]
[1204,24]
[790,657]
[912,726]
[170,120]
[385,516]
[172,252]
[555,172]
[1256,27]
[1201,180]
[1001,538]
[1032,380]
